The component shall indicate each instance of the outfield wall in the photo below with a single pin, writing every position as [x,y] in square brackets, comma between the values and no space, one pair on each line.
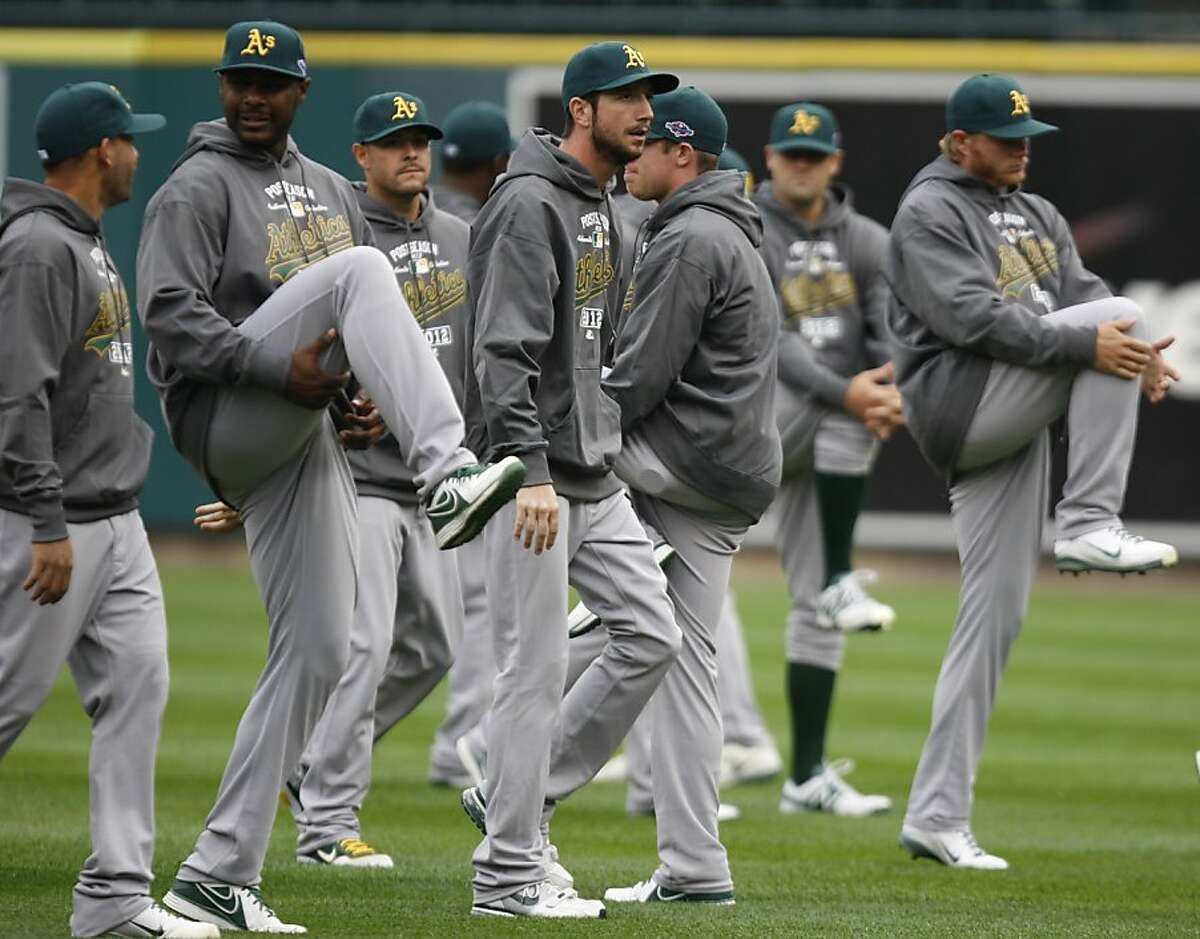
[1120,171]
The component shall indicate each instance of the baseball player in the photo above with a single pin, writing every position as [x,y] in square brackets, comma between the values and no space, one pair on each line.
[78,584]
[542,273]
[825,260]
[475,151]
[694,376]
[260,294]
[999,331]
[408,619]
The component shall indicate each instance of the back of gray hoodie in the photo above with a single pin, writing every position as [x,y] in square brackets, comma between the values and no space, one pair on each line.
[543,279]
[226,229]
[428,257]
[71,446]
[973,271]
[695,366]
[832,293]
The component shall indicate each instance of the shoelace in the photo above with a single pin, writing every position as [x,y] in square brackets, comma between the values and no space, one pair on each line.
[257,897]
[972,844]
[1124,534]
[356,847]
[835,785]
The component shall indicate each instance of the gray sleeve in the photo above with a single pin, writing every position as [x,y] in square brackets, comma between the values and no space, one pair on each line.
[179,261]
[37,314]
[950,287]
[660,331]
[873,290]
[513,281]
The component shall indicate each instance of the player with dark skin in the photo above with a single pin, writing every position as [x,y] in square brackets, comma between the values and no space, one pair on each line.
[609,130]
[97,179]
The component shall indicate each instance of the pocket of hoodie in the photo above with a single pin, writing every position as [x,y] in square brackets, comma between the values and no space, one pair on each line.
[107,454]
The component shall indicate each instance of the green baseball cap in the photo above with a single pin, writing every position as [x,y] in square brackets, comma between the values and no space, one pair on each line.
[264,44]
[476,131]
[76,118]
[605,66]
[805,126]
[688,115]
[732,160]
[995,105]
[390,111]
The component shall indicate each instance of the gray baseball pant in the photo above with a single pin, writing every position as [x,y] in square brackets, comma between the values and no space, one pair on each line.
[110,629]
[543,745]
[406,624]
[474,670]
[998,501]
[281,464]
[685,714]
[742,720]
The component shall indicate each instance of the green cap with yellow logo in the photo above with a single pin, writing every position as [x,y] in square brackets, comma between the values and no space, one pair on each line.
[805,126]
[994,105]
[606,66]
[391,111]
[76,118]
[264,44]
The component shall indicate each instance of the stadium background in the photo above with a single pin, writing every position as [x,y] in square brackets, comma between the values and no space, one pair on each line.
[1120,170]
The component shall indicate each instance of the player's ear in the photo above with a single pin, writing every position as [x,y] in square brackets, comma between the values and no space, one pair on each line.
[360,155]
[304,86]
[581,112]
[837,161]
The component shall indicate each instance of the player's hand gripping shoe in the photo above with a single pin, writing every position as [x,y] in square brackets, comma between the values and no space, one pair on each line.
[542,900]
[227,906]
[475,805]
[846,605]
[1114,550]
[581,620]
[155,921]
[952,848]
[461,504]
[348,852]
[651,891]
[829,792]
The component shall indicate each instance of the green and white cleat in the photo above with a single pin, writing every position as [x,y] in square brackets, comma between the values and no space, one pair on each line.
[163,924]
[227,906]
[542,900]
[651,891]
[1113,550]
[348,852]
[462,503]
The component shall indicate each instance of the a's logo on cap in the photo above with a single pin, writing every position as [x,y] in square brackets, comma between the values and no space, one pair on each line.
[804,123]
[1020,103]
[258,44]
[405,110]
[679,130]
[633,58]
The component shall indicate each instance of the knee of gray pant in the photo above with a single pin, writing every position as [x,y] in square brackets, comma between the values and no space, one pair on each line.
[666,644]
[323,657]
[1126,309]
[365,261]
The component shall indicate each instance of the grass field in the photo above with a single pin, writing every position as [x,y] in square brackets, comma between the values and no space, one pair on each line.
[1088,786]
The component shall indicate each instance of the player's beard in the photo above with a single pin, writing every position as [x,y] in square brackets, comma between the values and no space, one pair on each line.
[610,148]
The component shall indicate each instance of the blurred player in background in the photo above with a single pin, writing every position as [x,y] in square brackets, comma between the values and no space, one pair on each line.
[835,400]
[999,331]
[78,584]
[475,151]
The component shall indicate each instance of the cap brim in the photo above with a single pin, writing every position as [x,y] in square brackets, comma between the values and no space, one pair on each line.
[660,82]
[814,146]
[1026,128]
[144,123]
[434,132]
[261,68]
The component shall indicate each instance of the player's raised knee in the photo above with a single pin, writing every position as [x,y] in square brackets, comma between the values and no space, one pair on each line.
[1126,309]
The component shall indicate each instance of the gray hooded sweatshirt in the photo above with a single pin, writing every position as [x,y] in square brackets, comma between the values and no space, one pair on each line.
[973,272]
[71,447]
[429,257]
[457,203]
[695,365]
[831,289]
[227,228]
[542,274]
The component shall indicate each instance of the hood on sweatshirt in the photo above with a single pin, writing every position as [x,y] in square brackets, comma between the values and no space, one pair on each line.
[839,205]
[23,196]
[382,217]
[216,136]
[539,154]
[720,191]
[946,169]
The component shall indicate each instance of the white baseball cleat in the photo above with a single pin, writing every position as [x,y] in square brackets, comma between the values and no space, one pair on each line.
[155,921]
[829,792]
[742,764]
[651,891]
[1198,762]
[227,906]
[1113,550]
[614,771]
[847,607]
[728,813]
[952,848]
[347,852]
[556,875]
[542,900]
[472,757]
